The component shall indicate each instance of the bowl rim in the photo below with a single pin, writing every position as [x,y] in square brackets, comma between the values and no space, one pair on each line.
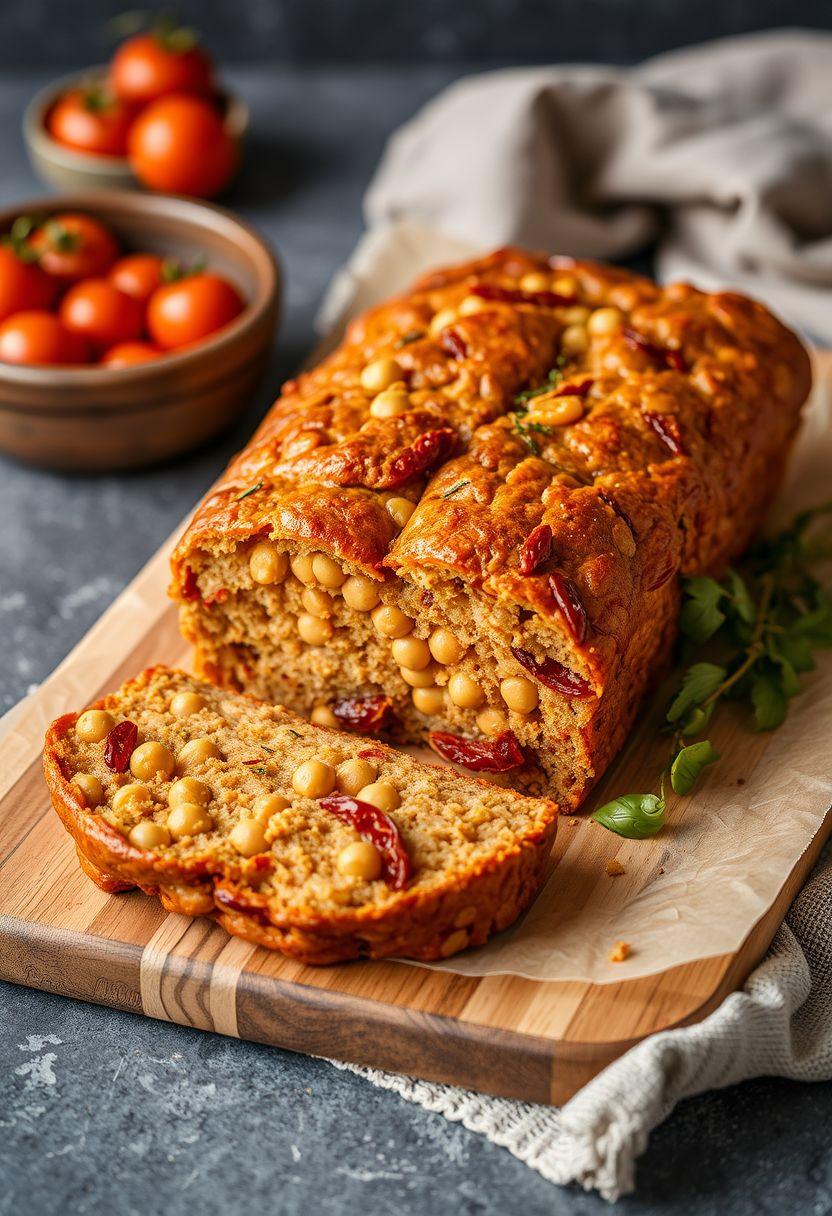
[37,135]
[59,375]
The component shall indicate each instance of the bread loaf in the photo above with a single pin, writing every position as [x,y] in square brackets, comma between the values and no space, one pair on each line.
[467,524]
[305,840]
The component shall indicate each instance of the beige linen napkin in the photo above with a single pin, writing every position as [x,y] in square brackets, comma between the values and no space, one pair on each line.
[723,152]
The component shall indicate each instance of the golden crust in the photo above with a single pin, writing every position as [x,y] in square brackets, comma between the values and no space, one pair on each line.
[462,909]
[688,406]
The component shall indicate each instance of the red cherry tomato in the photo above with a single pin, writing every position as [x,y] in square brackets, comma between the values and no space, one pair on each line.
[97,310]
[23,285]
[138,275]
[39,337]
[72,247]
[187,311]
[149,66]
[179,145]
[128,354]
[91,120]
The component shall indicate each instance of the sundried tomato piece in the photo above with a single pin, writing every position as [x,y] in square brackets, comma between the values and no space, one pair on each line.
[536,549]
[190,590]
[496,755]
[574,388]
[615,506]
[565,595]
[666,427]
[429,449]
[365,715]
[510,295]
[553,674]
[453,342]
[672,359]
[120,745]
[379,829]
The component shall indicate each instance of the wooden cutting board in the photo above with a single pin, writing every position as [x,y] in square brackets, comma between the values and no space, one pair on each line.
[500,1034]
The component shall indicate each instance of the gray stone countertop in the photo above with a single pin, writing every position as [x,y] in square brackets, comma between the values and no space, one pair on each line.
[104,1112]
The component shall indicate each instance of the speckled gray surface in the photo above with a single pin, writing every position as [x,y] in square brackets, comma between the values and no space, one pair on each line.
[103,1112]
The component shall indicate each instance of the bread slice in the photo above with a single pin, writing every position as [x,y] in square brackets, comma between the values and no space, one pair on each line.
[440,863]
[474,512]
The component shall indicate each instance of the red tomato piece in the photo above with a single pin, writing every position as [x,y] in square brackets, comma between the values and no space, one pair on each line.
[128,354]
[190,309]
[91,120]
[23,285]
[149,66]
[74,246]
[138,275]
[97,310]
[180,145]
[39,337]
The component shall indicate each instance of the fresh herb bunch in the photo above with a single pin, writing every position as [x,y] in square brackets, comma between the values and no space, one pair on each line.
[763,628]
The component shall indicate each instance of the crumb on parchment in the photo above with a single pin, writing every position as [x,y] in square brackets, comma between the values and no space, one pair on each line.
[614,868]
[619,952]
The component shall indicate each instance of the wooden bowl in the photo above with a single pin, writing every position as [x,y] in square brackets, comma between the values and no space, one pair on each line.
[97,419]
[63,167]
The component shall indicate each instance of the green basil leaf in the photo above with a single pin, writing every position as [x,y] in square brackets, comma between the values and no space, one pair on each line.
[635,816]
[816,626]
[697,720]
[698,683]
[796,649]
[768,700]
[740,600]
[689,764]
[701,615]
[789,683]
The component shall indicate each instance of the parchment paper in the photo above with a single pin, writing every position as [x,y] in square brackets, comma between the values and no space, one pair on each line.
[697,889]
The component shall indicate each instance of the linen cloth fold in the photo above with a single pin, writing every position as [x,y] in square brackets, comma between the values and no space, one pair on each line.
[722,152]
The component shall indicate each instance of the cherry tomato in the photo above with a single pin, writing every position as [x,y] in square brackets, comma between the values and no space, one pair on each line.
[149,66]
[23,285]
[179,145]
[187,311]
[73,247]
[91,120]
[138,275]
[127,354]
[97,310]
[35,336]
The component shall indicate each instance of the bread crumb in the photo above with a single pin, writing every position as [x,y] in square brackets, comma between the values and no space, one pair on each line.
[619,952]
[614,868]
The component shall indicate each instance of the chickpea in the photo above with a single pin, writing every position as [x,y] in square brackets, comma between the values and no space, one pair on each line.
[361,859]
[446,648]
[391,621]
[186,703]
[316,602]
[267,564]
[535,281]
[566,285]
[90,787]
[562,412]
[429,700]
[149,835]
[418,679]
[313,779]
[189,789]
[151,760]
[411,652]
[322,715]
[267,805]
[381,794]
[328,573]
[94,725]
[441,320]
[391,402]
[519,694]
[400,510]
[313,630]
[195,753]
[604,321]
[474,304]
[131,797]
[360,593]
[188,819]
[573,340]
[492,721]
[301,566]
[464,691]
[380,374]
[576,315]
[248,837]
[352,775]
